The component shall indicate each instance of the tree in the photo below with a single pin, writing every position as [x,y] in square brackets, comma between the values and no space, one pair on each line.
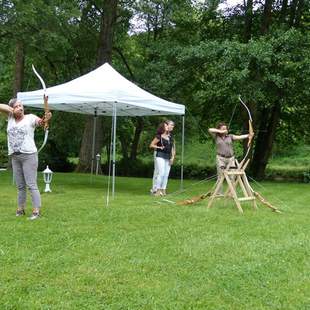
[266,17]
[248,21]
[108,14]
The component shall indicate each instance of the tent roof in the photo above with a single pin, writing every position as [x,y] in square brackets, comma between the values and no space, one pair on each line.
[98,91]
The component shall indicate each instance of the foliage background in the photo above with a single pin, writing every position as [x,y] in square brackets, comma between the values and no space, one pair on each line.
[189,52]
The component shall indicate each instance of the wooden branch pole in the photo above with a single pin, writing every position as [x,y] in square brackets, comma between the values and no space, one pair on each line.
[46,110]
[194,199]
[266,203]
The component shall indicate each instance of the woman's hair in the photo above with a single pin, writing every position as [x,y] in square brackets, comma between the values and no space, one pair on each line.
[12,102]
[161,128]
[221,124]
[169,122]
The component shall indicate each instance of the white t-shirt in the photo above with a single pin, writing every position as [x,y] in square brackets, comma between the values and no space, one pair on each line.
[21,134]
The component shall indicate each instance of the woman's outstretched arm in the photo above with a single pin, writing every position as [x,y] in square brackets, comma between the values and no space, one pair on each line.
[241,137]
[213,131]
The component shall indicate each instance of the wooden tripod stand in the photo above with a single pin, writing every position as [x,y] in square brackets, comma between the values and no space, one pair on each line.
[234,177]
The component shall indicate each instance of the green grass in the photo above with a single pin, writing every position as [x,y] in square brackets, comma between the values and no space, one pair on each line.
[296,158]
[141,254]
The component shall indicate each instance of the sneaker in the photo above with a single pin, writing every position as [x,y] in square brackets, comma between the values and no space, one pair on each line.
[158,193]
[20,212]
[34,216]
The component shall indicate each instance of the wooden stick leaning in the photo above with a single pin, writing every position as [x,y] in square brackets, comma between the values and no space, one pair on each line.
[194,199]
[266,203]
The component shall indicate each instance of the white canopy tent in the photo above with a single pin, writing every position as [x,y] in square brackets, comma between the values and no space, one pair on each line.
[104,91]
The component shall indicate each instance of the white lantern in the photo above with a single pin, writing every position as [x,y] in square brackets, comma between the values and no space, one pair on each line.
[97,163]
[47,175]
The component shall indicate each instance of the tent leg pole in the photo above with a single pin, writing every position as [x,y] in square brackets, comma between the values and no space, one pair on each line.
[182,152]
[94,142]
[110,163]
[114,150]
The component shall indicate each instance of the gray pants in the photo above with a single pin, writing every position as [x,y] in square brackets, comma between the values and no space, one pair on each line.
[221,164]
[25,168]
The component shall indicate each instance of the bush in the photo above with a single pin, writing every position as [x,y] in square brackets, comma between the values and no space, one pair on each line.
[3,150]
[136,168]
[139,168]
[286,173]
[56,159]
[307,177]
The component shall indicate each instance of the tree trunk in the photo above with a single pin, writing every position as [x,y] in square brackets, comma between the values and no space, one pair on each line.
[248,21]
[135,142]
[124,147]
[19,68]
[264,142]
[108,18]
[283,13]
[293,10]
[156,30]
[266,16]
[18,75]
[298,14]
[85,155]
[139,124]
[125,143]
[108,147]
[106,35]
[118,50]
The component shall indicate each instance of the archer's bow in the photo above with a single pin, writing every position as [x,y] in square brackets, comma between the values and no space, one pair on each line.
[251,131]
[46,109]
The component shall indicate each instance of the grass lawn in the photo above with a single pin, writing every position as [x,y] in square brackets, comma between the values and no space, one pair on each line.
[140,254]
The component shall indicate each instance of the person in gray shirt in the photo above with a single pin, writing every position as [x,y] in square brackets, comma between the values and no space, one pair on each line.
[24,153]
[224,146]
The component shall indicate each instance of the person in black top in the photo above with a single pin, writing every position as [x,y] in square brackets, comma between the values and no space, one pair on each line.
[164,146]
[160,130]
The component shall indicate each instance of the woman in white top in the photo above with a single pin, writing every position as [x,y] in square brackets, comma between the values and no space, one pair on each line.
[24,154]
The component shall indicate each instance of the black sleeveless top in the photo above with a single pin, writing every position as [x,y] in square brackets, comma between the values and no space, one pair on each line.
[167,144]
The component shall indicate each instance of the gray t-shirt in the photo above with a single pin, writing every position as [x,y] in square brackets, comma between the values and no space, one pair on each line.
[224,145]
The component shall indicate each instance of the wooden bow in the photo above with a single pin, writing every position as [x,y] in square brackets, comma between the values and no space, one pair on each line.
[46,108]
[251,131]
